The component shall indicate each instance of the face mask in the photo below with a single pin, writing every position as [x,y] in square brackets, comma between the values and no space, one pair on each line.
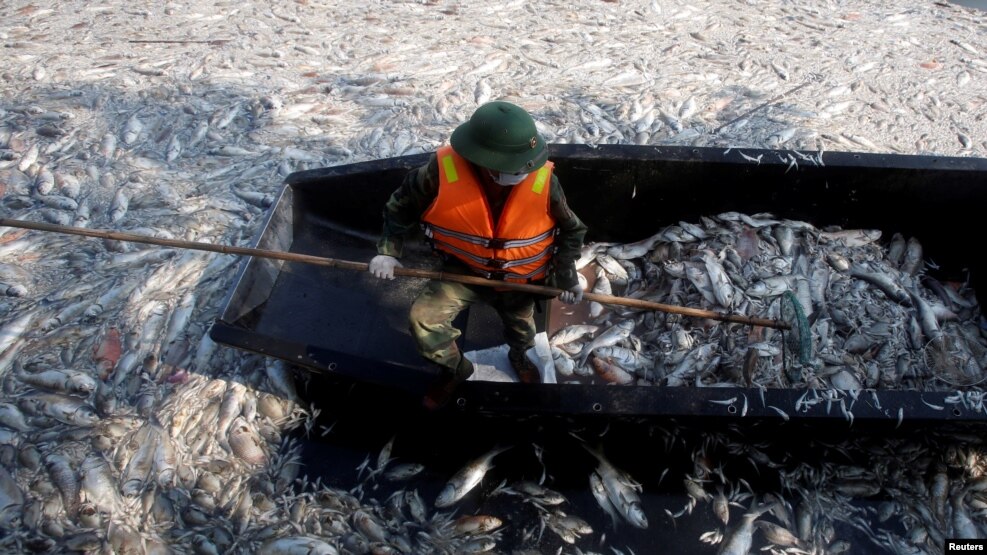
[507,179]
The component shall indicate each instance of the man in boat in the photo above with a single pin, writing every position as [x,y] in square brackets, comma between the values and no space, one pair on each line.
[490,205]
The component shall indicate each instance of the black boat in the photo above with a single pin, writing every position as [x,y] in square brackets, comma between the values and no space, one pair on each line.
[352,325]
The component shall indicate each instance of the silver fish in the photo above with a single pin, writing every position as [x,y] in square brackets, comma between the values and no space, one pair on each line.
[896,250]
[621,489]
[99,483]
[912,262]
[786,239]
[700,279]
[599,492]
[15,329]
[64,477]
[68,410]
[119,205]
[369,527]
[132,130]
[11,417]
[629,251]
[601,287]
[852,237]
[738,540]
[882,281]
[611,265]
[563,363]
[722,287]
[246,443]
[11,501]
[926,318]
[721,506]
[404,471]
[467,478]
[613,335]
[63,381]
[777,535]
[572,333]
[29,158]
[629,359]
[296,544]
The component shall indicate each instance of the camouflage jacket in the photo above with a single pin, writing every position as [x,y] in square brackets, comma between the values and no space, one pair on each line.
[403,212]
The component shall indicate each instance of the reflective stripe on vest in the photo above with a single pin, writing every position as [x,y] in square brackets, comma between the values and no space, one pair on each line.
[460,223]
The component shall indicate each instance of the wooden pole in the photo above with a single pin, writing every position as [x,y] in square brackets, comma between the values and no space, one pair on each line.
[407,272]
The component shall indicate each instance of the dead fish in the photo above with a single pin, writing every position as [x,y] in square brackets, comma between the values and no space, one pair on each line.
[786,239]
[29,158]
[246,443]
[141,445]
[738,540]
[68,185]
[568,527]
[44,182]
[852,237]
[926,318]
[15,329]
[467,478]
[612,267]
[132,130]
[621,489]
[58,202]
[11,501]
[108,146]
[99,483]
[572,332]
[896,250]
[62,381]
[720,282]
[65,479]
[882,281]
[912,262]
[68,410]
[369,527]
[846,381]
[296,545]
[404,471]
[174,149]
[777,535]
[119,205]
[599,492]
[476,524]
[611,336]
[610,371]
[564,365]
[700,279]
[11,417]
[601,287]
[721,506]
[165,458]
[255,198]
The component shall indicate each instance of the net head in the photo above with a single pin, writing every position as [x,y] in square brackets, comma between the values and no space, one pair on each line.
[798,339]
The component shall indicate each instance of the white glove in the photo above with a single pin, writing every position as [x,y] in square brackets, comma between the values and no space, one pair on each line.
[573,295]
[382,266]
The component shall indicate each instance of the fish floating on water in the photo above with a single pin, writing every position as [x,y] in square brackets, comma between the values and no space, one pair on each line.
[192,136]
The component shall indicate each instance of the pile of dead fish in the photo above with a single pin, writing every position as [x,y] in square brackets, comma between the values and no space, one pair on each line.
[208,469]
[876,319]
[123,427]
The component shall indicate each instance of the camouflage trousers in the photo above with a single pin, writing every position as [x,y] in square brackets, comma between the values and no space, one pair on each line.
[438,305]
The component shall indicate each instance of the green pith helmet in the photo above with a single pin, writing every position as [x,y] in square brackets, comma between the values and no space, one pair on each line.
[502,137]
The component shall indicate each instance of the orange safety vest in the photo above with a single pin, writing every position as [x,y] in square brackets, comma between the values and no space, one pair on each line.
[459,222]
